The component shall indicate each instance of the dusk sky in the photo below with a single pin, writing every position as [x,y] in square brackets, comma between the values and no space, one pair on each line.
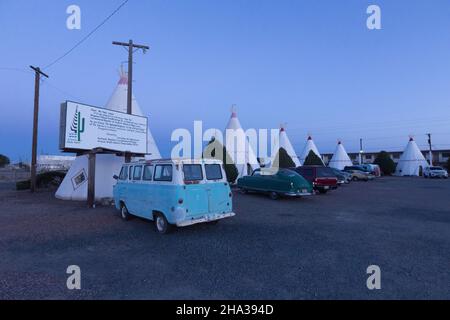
[311,64]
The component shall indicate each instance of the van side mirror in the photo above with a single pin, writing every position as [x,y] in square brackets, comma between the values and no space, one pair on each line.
[115,177]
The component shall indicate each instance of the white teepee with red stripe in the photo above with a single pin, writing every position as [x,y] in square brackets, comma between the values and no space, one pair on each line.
[118,102]
[75,184]
[310,146]
[412,161]
[285,143]
[243,155]
[340,158]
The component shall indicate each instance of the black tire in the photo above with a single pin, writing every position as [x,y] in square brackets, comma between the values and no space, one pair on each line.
[124,214]
[323,191]
[274,196]
[161,224]
[244,191]
[355,179]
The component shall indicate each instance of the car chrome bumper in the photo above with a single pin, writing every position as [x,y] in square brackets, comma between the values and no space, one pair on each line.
[297,194]
[205,218]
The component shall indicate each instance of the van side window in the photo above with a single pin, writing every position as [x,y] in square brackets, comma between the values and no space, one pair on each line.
[137,173]
[123,173]
[192,172]
[163,172]
[213,172]
[148,172]
[130,174]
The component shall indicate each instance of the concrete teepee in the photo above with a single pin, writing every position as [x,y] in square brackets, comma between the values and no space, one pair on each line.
[340,158]
[285,143]
[74,186]
[310,146]
[243,155]
[412,162]
[118,102]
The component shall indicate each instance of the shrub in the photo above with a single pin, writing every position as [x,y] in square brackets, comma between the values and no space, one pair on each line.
[387,165]
[43,180]
[230,168]
[313,160]
[4,160]
[283,160]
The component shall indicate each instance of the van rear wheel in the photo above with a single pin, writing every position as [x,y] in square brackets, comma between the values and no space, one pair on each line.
[161,224]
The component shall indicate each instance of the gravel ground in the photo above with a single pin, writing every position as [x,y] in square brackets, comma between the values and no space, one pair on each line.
[311,248]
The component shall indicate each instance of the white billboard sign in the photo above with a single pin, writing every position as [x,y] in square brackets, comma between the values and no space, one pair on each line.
[85,127]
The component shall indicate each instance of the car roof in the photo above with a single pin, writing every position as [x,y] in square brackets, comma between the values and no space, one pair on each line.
[176,161]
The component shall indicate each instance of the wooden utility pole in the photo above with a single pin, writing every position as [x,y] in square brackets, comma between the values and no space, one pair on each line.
[431,149]
[37,81]
[131,46]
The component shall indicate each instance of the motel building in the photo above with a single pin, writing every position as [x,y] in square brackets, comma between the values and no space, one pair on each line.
[440,157]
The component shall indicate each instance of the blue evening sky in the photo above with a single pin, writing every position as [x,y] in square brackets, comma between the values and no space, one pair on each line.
[310,63]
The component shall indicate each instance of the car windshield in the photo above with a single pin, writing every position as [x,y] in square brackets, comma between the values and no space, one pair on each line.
[288,173]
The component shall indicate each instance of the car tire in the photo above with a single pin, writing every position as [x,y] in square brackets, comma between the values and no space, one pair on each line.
[355,179]
[244,191]
[161,224]
[274,196]
[124,213]
[322,191]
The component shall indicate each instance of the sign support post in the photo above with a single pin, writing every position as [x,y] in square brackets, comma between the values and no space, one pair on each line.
[91,179]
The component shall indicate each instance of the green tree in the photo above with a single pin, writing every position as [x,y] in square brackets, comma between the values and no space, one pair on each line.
[313,160]
[283,160]
[4,160]
[215,150]
[387,165]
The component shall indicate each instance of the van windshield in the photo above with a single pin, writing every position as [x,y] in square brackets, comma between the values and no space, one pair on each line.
[192,172]
[213,172]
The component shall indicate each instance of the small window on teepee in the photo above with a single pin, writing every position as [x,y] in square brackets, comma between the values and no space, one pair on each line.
[79,179]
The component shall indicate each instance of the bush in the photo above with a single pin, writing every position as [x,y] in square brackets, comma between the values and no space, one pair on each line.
[387,165]
[230,168]
[43,180]
[4,160]
[313,160]
[283,160]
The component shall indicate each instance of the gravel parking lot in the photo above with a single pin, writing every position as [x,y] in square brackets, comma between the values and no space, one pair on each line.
[311,248]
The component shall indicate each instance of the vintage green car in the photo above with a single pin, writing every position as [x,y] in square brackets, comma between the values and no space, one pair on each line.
[283,182]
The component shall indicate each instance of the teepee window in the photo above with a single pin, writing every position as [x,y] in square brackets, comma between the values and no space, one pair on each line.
[79,179]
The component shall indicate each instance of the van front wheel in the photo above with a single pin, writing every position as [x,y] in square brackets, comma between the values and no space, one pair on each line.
[161,224]
[124,214]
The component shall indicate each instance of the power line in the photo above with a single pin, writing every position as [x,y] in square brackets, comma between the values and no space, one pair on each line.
[87,36]
[17,70]
[61,91]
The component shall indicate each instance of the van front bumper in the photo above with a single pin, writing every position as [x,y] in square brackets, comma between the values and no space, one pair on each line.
[205,218]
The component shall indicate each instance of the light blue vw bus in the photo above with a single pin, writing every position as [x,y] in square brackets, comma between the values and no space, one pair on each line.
[174,192]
